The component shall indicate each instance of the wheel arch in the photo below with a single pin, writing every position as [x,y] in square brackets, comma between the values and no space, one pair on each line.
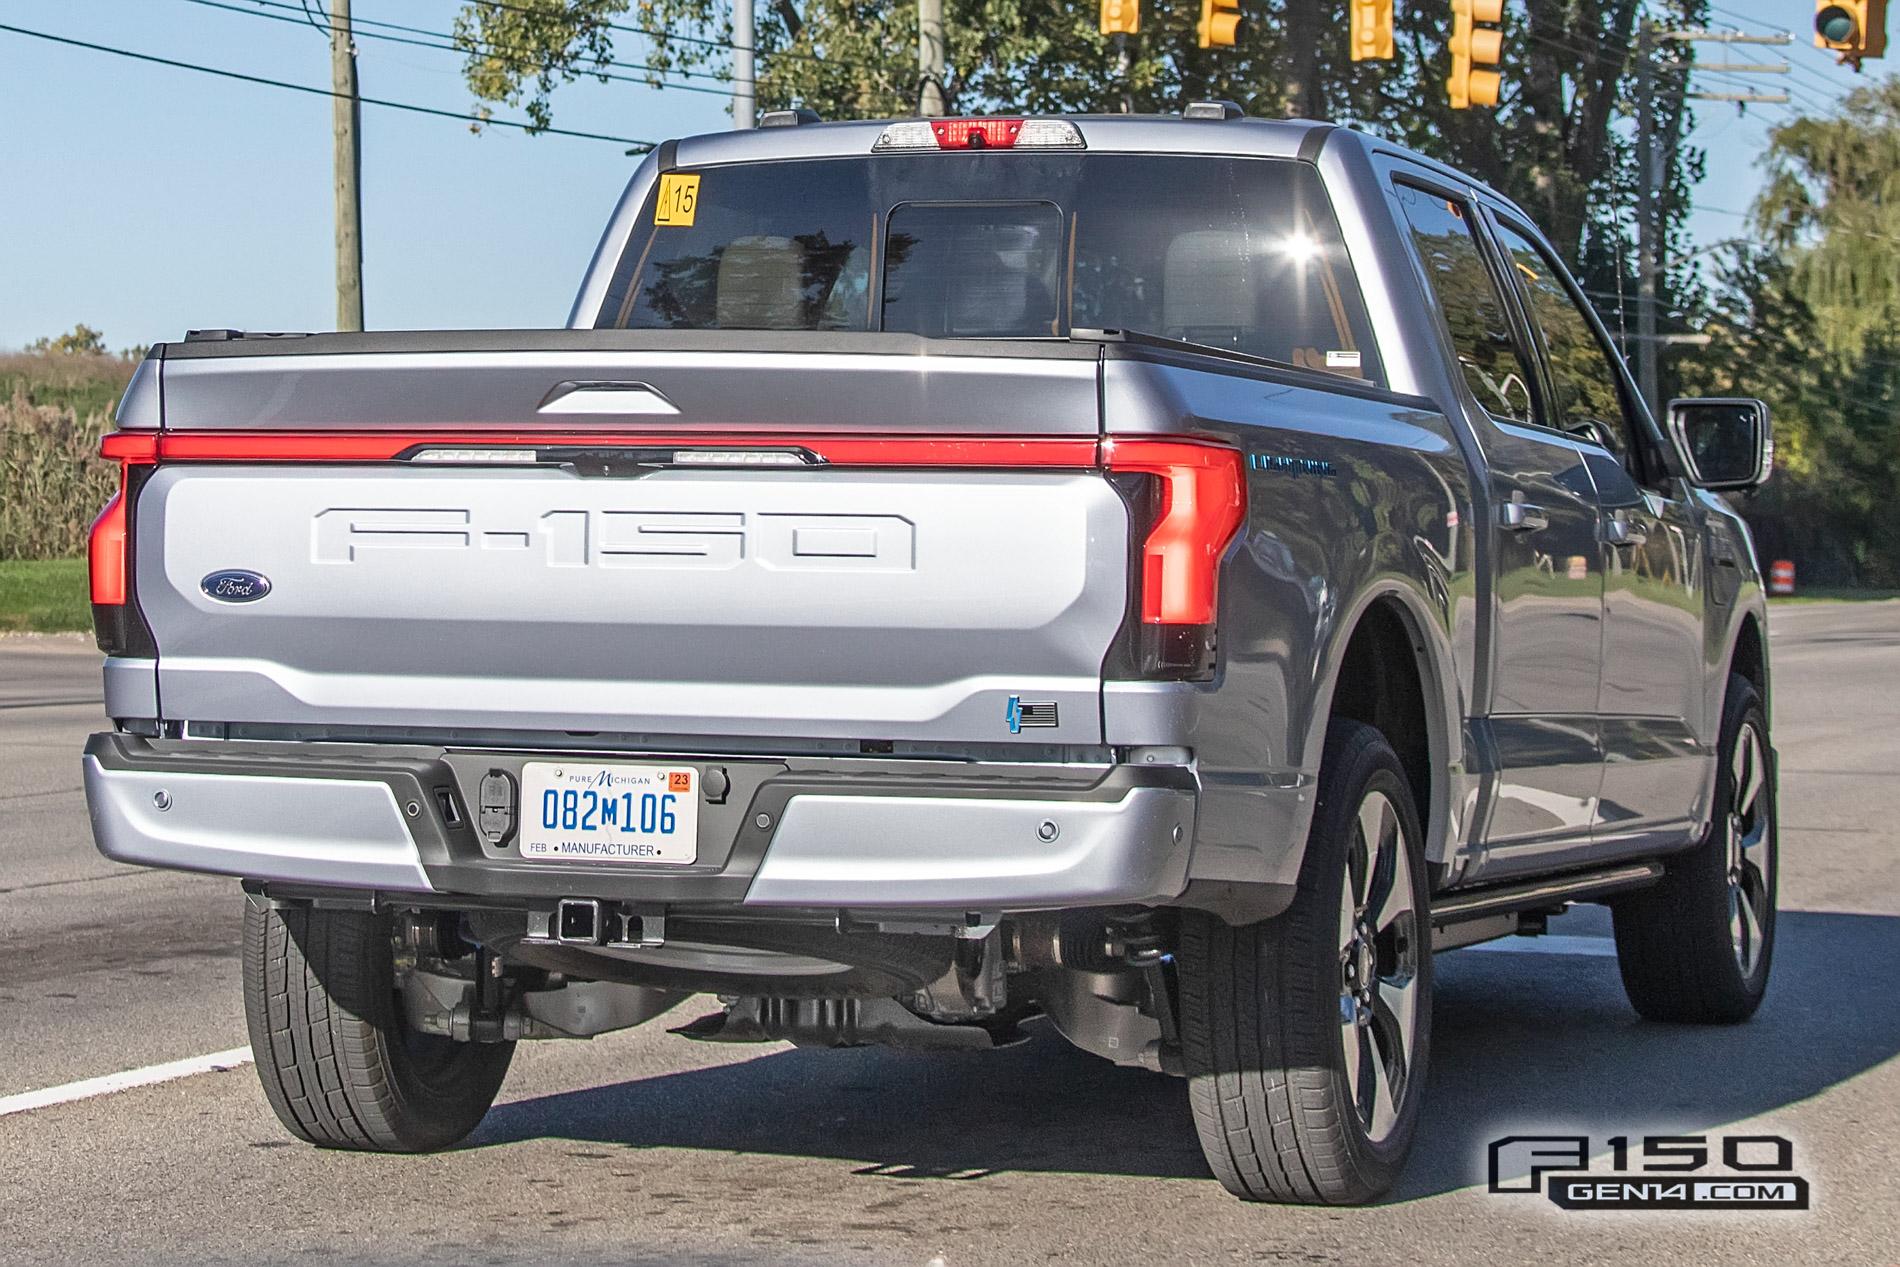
[1748,658]
[1389,664]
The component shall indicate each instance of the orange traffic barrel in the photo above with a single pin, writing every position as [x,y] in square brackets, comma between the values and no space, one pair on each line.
[1781,576]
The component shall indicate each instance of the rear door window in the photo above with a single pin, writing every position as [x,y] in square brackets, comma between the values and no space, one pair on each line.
[1466,294]
[1589,401]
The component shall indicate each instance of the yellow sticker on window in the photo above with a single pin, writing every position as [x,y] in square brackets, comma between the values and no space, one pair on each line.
[678,200]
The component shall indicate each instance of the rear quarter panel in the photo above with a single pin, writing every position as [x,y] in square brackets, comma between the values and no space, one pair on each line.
[1354,497]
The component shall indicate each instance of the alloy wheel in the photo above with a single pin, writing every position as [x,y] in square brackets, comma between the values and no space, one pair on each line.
[1750,848]
[1378,966]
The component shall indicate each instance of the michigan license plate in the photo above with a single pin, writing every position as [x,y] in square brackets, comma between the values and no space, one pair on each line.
[591,812]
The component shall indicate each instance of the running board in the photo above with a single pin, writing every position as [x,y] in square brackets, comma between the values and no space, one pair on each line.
[1464,917]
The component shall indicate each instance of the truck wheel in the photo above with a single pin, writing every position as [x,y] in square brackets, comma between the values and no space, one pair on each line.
[1696,946]
[339,1063]
[1305,1036]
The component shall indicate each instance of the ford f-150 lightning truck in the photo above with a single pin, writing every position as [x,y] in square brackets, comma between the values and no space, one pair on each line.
[1159,578]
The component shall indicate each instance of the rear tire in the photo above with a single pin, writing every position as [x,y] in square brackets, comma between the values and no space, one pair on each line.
[1697,945]
[1305,1036]
[339,1063]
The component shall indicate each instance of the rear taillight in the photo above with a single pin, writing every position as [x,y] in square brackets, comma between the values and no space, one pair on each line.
[117,623]
[106,553]
[1196,503]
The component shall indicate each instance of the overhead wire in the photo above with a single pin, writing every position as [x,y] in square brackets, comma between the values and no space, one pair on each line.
[357,30]
[385,103]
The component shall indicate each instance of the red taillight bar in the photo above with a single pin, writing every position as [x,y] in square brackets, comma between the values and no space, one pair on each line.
[380,446]
[130,446]
[1203,486]
[1203,503]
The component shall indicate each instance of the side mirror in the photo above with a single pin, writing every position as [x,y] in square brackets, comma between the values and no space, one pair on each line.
[1724,444]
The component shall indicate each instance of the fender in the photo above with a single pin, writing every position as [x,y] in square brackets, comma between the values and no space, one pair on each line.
[1427,626]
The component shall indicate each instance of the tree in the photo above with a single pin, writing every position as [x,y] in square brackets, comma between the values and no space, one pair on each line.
[81,340]
[1806,321]
[1552,144]
[1836,419]
[1832,206]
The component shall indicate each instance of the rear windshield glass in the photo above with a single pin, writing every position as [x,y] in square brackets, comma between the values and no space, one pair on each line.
[1242,254]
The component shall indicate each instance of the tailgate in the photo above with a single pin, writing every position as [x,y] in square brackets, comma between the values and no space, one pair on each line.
[844,601]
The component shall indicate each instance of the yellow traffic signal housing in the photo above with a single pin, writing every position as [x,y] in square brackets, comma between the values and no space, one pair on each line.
[1852,28]
[1220,19]
[1121,17]
[1474,46]
[1371,29]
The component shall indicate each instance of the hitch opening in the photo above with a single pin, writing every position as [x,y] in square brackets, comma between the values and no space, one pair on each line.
[578,921]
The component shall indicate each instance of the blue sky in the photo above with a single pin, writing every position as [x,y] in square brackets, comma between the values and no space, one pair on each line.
[144,200]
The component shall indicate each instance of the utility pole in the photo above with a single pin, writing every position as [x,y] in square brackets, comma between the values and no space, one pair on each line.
[1649,179]
[745,106]
[1122,65]
[346,117]
[930,58]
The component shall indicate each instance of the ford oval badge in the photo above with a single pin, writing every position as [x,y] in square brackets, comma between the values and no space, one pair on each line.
[235,585]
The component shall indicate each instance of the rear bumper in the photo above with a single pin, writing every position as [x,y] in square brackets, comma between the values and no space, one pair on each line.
[792,833]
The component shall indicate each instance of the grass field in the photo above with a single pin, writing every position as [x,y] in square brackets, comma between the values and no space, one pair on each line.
[44,595]
[83,384]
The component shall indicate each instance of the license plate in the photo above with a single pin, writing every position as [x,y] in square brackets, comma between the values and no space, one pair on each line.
[590,812]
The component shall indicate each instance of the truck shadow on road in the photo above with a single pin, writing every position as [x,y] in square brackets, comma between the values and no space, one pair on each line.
[1522,1041]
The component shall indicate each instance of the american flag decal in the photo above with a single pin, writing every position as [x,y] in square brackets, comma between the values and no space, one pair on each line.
[1020,715]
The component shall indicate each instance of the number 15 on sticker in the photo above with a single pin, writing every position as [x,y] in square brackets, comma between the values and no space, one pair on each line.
[678,200]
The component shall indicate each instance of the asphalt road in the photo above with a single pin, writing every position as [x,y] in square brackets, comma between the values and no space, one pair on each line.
[641,1147]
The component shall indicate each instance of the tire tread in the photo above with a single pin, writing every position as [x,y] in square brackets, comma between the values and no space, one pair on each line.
[1261,1087]
[328,1041]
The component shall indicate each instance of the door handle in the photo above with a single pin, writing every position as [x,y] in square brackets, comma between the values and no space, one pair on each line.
[1621,532]
[1519,516]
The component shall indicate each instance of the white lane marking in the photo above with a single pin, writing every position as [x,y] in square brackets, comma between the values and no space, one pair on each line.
[87,1088]
[1551,944]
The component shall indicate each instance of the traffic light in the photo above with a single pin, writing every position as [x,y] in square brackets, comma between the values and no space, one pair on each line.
[1371,29]
[1852,28]
[1121,17]
[1219,20]
[1472,45]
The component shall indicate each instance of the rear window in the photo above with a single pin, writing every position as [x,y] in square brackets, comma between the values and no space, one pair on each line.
[1242,254]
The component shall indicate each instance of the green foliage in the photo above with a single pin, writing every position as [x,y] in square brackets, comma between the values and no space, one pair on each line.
[1836,416]
[81,340]
[44,595]
[1832,205]
[85,384]
[1807,322]
[56,407]
[519,50]
[1552,144]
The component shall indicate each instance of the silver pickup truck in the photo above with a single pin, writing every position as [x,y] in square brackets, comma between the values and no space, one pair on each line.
[1164,579]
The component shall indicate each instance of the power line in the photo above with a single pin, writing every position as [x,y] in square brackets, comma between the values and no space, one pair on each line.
[320,92]
[528,63]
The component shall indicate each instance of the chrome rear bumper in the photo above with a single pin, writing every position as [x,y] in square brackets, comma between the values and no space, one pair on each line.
[260,826]
[848,834]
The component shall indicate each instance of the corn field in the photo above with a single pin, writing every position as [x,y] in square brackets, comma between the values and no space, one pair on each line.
[52,481]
